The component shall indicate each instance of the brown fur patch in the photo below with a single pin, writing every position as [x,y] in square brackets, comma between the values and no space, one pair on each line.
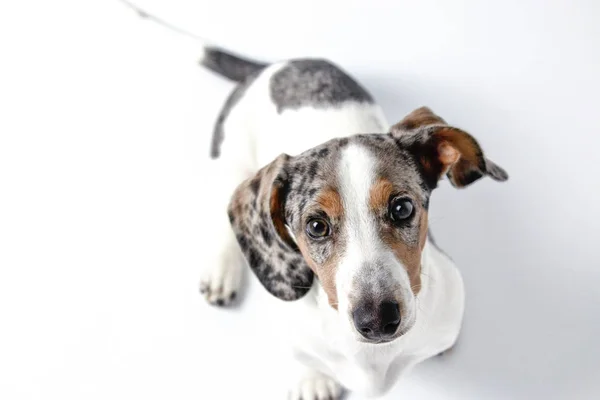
[330,202]
[380,194]
[325,272]
[468,160]
[451,150]
[464,143]
[448,138]
[448,155]
[409,255]
[276,209]
[420,117]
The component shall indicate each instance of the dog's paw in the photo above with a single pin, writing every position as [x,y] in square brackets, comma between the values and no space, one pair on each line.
[316,386]
[220,285]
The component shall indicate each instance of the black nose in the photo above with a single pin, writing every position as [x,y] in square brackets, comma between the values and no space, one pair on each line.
[377,321]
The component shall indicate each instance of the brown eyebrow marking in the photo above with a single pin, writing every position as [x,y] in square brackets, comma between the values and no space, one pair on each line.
[331,203]
[380,194]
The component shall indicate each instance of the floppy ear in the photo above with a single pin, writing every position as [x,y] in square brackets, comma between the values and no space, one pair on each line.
[257,216]
[442,149]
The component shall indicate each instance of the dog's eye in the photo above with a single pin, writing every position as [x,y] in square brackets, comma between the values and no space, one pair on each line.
[317,228]
[401,209]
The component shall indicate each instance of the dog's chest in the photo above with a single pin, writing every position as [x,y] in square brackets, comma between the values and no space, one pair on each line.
[367,369]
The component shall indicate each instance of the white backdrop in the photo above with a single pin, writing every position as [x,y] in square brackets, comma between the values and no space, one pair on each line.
[104,128]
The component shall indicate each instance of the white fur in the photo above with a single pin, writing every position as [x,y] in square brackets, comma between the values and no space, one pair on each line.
[356,176]
[364,246]
[323,338]
[312,384]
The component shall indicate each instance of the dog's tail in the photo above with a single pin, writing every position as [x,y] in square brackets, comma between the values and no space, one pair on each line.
[229,65]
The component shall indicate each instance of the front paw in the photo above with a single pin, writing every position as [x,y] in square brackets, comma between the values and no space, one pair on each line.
[316,386]
[221,283]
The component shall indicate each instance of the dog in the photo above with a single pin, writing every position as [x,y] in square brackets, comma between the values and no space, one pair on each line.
[328,206]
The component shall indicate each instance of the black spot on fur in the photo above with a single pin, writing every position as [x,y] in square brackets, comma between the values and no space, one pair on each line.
[429,181]
[467,178]
[277,277]
[313,169]
[314,83]
[255,185]
[323,251]
[235,96]
[230,65]
[254,259]
[302,205]
[243,242]
[281,245]
[266,235]
[302,183]
[323,152]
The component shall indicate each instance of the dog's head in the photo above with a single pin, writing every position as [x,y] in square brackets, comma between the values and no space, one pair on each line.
[353,212]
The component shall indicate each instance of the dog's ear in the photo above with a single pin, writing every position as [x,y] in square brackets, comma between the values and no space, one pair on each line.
[257,216]
[442,149]
[418,118]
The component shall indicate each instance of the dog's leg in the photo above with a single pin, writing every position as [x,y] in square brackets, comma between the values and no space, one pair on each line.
[223,275]
[314,385]
[224,267]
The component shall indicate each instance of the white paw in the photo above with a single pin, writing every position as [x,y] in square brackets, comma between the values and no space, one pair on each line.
[221,282]
[316,386]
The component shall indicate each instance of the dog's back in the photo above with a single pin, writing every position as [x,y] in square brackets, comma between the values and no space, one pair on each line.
[288,106]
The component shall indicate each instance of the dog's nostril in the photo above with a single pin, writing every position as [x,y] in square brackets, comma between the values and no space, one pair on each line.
[390,318]
[365,320]
[365,330]
[390,329]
